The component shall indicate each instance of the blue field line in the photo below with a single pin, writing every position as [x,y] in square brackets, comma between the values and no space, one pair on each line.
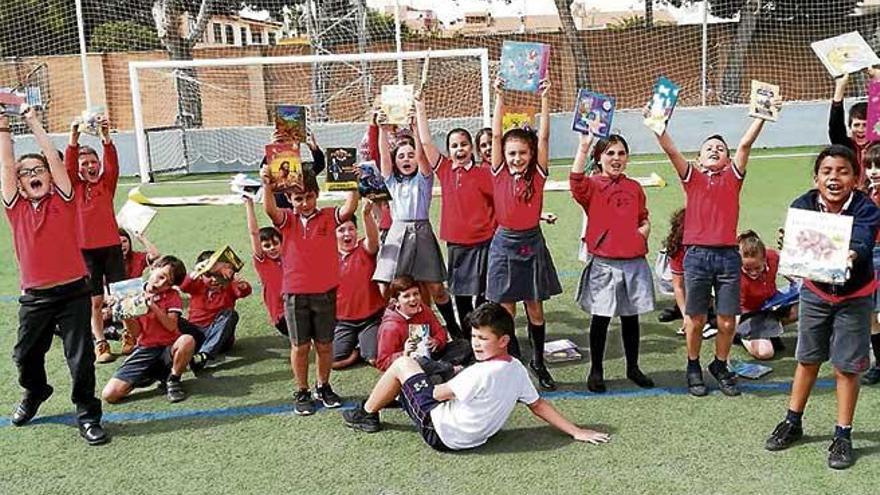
[232,412]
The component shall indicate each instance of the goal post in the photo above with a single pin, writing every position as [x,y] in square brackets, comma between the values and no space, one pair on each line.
[458,88]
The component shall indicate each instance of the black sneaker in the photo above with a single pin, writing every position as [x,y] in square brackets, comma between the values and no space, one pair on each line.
[726,379]
[93,433]
[327,396]
[174,391]
[359,419]
[696,385]
[783,436]
[639,378]
[28,407]
[596,382]
[303,403]
[545,380]
[671,313]
[840,453]
[198,361]
[872,377]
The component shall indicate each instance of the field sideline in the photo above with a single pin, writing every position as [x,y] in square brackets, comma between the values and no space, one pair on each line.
[236,433]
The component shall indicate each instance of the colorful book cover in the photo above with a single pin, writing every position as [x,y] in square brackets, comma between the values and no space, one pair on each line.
[285,166]
[593,113]
[420,334]
[845,54]
[397,103]
[371,185]
[518,117]
[761,101]
[127,299]
[873,117]
[558,351]
[749,370]
[816,246]
[34,97]
[89,120]
[292,121]
[135,217]
[223,264]
[523,65]
[341,171]
[662,104]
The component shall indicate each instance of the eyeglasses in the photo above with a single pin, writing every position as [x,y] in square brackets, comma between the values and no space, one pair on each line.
[33,172]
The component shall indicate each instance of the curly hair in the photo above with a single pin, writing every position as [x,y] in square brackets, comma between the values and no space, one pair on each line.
[676,232]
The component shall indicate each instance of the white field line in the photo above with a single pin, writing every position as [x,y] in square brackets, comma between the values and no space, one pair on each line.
[634,162]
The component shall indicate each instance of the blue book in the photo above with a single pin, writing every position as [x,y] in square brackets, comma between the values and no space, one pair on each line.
[661,105]
[783,298]
[593,113]
[523,65]
[749,370]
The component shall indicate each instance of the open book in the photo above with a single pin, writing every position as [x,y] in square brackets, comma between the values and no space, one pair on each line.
[223,261]
[135,217]
[127,299]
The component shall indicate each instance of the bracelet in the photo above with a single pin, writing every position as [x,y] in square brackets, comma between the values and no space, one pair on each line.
[5,129]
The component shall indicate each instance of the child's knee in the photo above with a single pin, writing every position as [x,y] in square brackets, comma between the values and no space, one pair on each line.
[186,343]
[762,351]
[115,391]
[535,312]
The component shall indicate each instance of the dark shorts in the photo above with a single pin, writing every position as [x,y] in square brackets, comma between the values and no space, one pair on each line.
[105,266]
[417,399]
[708,268]
[361,334]
[840,332]
[281,326]
[760,325]
[467,267]
[310,317]
[145,365]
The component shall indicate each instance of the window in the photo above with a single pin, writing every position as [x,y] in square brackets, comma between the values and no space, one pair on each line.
[257,37]
[272,40]
[230,35]
[218,33]
[244,36]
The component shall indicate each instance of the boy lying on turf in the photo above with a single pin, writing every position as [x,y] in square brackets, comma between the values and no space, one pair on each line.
[467,410]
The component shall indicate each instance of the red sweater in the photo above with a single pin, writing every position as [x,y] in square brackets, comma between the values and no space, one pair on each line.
[205,303]
[394,330]
[95,219]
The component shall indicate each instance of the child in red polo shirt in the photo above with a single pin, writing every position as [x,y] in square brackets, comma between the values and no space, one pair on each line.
[266,249]
[617,281]
[520,266]
[212,317]
[311,276]
[95,183]
[359,303]
[39,200]
[712,185]
[760,328]
[467,217]
[162,352]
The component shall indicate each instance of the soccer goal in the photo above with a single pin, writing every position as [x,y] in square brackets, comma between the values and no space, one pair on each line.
[210,115]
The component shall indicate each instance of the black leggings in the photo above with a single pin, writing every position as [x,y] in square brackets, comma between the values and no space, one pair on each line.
[598,336]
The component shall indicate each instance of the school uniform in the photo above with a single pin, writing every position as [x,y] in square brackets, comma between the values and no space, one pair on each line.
[135,264]
[310,274]
[467,224]
[212,317]
[520,265]
[756,323]
[712,259]
[152,358]
[617,281]
[410,247]
[270,272]
[834,321]
[97,231]
[55,298]
[359,305]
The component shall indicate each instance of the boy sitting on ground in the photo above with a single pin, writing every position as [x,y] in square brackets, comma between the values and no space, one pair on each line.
[466,411]
[162,352]
[212,316]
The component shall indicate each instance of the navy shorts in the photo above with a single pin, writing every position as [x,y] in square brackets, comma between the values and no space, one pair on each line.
[106,265]
[839,332]
[708,268]
[145,365]
[417,399]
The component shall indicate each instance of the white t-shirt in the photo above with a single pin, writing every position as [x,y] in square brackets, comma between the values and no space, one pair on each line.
[485,395]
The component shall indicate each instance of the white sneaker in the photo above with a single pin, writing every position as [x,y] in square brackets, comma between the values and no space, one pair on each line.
[709,332]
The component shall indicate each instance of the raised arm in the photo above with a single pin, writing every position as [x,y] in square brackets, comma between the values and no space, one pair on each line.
[425,167]
[56,165]
[319,161]
[8,178]
[371,229]
[385,165]
[498,125]
[675,157]
[544,130]
[579,165]
[424,133]
[253,227]
[542,409]
[269,206]
[348,209]
[745,144]
[152,251]
[836,120]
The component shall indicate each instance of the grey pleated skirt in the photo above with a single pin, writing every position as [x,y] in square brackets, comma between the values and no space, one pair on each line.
[615,287]
[410,248]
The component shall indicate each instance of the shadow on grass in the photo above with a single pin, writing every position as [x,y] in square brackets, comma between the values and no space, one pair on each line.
[533,439]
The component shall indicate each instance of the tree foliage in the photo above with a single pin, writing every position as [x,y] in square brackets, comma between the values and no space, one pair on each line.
[123,36]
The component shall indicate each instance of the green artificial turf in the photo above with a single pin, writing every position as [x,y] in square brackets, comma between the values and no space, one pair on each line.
[660,444]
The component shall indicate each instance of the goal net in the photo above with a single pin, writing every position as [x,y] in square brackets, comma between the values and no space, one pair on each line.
[224,109]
